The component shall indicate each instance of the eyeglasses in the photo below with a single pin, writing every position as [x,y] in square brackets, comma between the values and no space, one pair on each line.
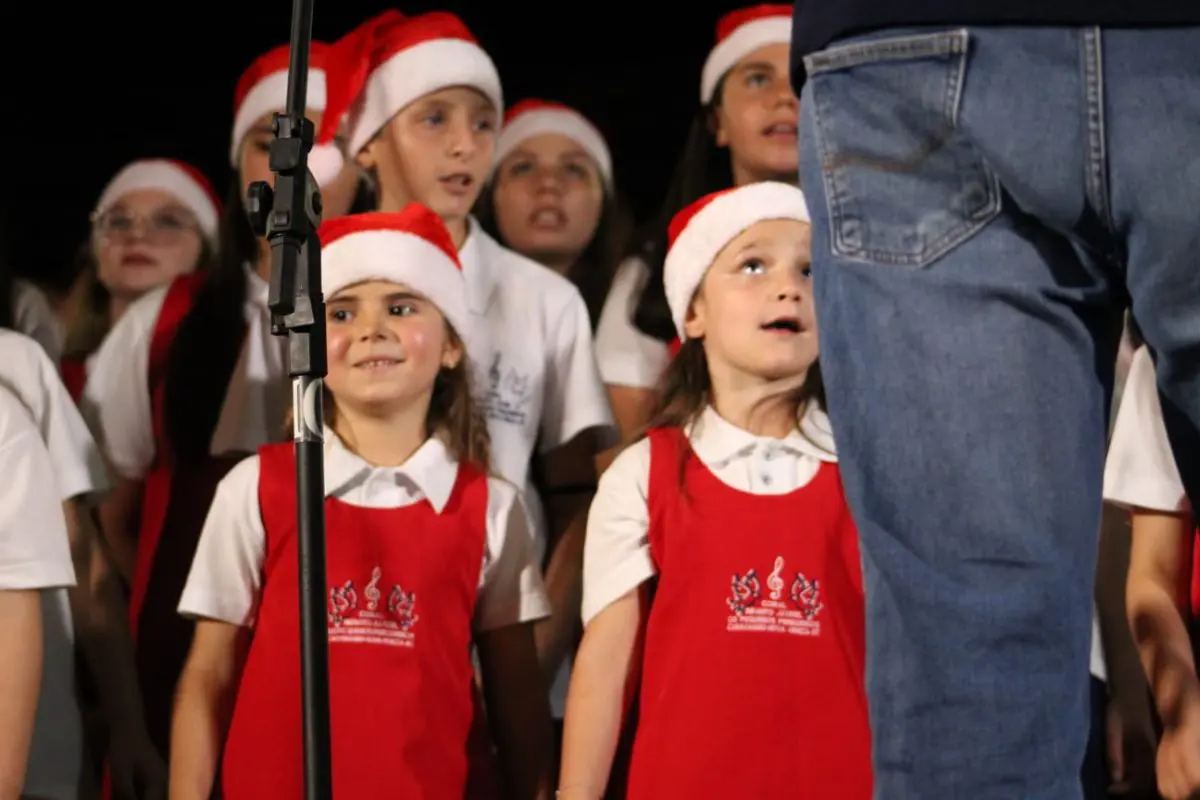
[166,227]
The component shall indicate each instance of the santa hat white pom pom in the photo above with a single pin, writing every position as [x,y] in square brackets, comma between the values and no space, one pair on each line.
[410,247]
[701,231]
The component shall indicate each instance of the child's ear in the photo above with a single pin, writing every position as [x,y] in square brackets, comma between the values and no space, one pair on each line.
[452,353]
[694,322]
[718,127]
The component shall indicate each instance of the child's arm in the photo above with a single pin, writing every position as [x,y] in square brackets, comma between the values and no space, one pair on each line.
[204,707]
[602,686]
[222,592]
[1157,598]
[99,612]
[518,710]
[617,564]
[20,682]
[512,598]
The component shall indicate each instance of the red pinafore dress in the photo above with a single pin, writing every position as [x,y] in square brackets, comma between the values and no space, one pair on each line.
[175,504]
[752,678]
[403,584]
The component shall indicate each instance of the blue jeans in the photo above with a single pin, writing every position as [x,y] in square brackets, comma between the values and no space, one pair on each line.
[984,203]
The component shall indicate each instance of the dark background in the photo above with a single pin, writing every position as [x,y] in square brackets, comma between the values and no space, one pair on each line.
[91,86]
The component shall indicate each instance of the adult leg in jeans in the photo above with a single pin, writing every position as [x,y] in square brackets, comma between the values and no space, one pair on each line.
[968,281]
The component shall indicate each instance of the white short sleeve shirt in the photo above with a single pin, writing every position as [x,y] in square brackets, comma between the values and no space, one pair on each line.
[35,554]
[226,577]
[535,368]
[628,357]
[1141,470]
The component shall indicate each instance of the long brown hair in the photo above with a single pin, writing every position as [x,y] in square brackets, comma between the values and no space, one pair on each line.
[686,390]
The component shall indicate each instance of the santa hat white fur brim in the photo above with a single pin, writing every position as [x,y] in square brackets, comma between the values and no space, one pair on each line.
[398,257]
[415,72]
[164,176]
[561,121]
[739,44]
[713,228]
[268,95]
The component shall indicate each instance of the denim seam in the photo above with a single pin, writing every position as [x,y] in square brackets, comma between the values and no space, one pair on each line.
[904,48]
[1097,151]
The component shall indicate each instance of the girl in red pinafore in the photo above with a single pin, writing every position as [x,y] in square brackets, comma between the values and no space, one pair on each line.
[722,570]
[426,555]
[189,382]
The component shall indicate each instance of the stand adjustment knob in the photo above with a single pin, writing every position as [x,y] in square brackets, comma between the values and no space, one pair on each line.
[260,200]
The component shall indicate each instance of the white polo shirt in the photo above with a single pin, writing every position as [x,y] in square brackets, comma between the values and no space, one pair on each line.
[628,357]
[33,316]
[1141,470]
[226,577]
[35,554]
[28,373]
[616,556]
[535,370]
[117,399]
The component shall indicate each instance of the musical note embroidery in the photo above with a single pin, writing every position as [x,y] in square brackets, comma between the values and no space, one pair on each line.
[348,623]
[752,612]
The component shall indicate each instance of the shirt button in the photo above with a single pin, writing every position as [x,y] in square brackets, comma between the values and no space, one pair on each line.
[766,479]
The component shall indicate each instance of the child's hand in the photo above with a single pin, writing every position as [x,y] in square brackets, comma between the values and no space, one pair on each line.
[1178,762]
[1130,745]
[137,770]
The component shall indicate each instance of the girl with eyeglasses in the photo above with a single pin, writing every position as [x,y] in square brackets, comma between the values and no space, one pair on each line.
[156,220]
[189,382]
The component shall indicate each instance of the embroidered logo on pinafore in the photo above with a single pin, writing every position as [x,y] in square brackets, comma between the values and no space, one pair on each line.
[361,620]
[795,614]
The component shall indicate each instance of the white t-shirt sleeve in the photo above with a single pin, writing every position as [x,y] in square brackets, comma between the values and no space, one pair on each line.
[116,399]
[226,576]
[78,462]
[616,553]
[33,316]
[574,399]
[1141,470]
[626,356]
[34,551]
[512,589]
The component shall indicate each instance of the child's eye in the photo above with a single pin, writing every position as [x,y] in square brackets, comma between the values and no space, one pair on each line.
[520,168]
[577,171]
[339,315]
[402,309]
[436,118]
[757,79]
[485,125]
[753,265]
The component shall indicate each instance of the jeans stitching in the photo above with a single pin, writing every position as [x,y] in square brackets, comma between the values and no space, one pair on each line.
[946,43]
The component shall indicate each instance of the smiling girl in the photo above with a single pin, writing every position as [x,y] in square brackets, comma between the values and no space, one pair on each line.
[426,556]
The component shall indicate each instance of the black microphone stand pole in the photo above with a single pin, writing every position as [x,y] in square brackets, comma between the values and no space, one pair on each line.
[288,217]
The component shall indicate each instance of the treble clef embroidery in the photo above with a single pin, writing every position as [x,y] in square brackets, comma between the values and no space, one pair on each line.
[372,590]
[774,581]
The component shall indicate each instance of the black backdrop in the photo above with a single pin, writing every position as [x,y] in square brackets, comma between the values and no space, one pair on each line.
[89,86]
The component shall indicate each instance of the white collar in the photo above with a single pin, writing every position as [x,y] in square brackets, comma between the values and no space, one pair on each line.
[431,468]
[476,254]
[257,290]
[716,441]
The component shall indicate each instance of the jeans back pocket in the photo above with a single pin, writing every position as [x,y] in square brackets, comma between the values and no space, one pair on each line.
[903,185]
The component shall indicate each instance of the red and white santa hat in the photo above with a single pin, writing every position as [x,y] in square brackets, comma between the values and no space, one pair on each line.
[740,33]
[701,231]
[411,246]
[183,181]
[262,89]
[533,117]
[385,64]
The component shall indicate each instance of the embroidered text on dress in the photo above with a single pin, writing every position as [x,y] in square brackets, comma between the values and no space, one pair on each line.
[355,620]
[791,609]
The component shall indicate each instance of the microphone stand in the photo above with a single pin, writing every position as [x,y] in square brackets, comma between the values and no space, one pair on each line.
[288,217]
